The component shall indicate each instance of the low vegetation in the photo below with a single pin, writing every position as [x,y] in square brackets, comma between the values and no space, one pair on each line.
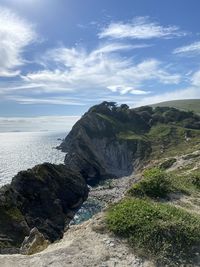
[187,104]
[167,163]
[167,129]
[169,235]
[155,184]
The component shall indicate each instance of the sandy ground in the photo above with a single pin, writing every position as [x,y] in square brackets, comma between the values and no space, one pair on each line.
[85,245]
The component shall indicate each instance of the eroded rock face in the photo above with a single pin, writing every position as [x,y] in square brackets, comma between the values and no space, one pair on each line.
[45,197]
[111,141]
[95,149]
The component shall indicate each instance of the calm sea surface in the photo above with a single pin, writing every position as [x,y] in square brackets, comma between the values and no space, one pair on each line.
[23,150]
[20,151]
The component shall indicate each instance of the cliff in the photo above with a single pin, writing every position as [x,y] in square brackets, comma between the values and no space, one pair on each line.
[113,141]
[46,197]
[109,141]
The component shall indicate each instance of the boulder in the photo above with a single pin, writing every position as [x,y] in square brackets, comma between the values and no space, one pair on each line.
[46,197]
[34,243]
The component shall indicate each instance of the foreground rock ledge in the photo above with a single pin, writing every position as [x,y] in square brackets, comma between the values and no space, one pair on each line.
[83,245]
[46,197]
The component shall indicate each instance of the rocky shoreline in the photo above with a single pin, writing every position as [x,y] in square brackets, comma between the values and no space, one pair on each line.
[45,197]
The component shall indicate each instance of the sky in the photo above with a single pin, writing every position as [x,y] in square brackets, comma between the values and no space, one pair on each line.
[60,57]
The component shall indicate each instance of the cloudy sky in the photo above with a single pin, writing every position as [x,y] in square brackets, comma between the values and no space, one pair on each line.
[57,58]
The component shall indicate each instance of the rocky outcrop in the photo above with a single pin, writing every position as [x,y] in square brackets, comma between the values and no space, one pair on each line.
[34,243]
[46,196]
[94,148]
[111,141]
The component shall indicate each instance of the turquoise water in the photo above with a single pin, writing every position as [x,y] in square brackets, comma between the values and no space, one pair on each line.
[89,208]
[23,150]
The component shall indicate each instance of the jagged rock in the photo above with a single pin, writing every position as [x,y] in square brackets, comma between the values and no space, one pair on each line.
[45,197]
[34,243]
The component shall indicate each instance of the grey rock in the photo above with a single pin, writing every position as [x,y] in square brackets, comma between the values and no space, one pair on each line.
[45,197]
[34,243]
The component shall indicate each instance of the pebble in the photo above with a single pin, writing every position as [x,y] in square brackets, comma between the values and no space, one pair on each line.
[112,245]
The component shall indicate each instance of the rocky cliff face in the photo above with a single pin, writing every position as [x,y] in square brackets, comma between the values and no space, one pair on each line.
[45,197]
[94,148]
[107,142]
[111,141]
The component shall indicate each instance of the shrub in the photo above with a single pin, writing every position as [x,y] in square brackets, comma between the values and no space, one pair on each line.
[167,163]
[169,235]
[195,179]
[155,184]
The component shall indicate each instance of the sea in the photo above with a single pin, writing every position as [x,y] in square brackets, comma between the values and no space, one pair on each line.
[22,150]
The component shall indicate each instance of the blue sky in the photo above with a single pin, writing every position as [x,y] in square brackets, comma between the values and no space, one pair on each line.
[57,58]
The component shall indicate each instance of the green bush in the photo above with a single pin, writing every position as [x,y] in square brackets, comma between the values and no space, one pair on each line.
[169,235]
[155,184]
[195,178]
[167,163]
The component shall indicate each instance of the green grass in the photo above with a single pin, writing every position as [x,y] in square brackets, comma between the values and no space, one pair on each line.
[160,130]
[155,184]
[187,183]
[167,163]
[15,214]
[169,235]
[108,118]
[170,141]
[130,135]
[187,105]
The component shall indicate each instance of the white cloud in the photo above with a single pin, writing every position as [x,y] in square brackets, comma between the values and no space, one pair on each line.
[48,100]
[191,49]
[15,35]
[187,93]
[195,80]
[77,70]
[113,47]
[191,92]
[139,28]
[127,89]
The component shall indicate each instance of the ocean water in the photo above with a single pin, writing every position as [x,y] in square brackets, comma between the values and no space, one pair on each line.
[23,150]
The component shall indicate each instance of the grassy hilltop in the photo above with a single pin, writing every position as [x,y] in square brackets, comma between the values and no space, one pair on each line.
[187,104]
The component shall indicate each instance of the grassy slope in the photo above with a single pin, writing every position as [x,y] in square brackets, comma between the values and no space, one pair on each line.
[188,104]
[168,232]
[160,216]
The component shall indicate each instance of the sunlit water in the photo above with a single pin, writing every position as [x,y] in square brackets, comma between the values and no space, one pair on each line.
[23,150]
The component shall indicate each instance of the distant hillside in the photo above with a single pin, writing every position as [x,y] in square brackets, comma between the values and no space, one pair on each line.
[187,104]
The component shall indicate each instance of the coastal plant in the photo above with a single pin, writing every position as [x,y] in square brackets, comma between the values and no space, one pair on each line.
[167,163]
[155,184]
[168,235]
